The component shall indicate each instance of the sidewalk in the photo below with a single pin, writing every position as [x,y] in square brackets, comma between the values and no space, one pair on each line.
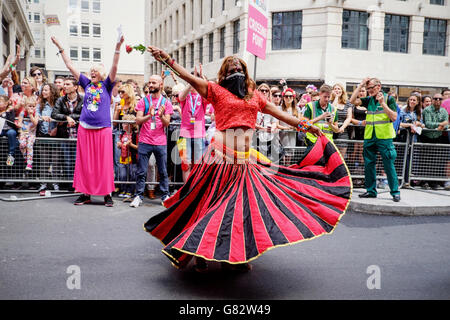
[413,203]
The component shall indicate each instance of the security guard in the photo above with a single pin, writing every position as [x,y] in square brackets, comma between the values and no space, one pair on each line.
[378,136]
[322,114]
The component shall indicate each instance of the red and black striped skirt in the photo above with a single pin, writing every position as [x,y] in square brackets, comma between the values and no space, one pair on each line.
[236,206]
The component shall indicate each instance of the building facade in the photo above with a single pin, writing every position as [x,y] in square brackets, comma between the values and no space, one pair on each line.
[405,43]
[15,31]
[87,29]
[35,16]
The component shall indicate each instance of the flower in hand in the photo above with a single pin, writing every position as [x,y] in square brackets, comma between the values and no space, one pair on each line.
[139,47]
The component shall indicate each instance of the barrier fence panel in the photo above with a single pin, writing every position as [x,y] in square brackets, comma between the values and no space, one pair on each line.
[54,160]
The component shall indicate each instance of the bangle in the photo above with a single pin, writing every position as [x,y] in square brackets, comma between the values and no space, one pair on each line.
[304,125]
[360,123]
[61,51]
[171,62]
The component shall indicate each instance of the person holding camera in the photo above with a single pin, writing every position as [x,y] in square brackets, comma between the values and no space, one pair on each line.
[378,136]
[323,115]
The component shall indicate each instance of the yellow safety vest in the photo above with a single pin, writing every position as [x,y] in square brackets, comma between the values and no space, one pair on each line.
[379,121]
[322,124]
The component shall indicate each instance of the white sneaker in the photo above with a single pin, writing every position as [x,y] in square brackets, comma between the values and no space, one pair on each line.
[56,187]
[136,202]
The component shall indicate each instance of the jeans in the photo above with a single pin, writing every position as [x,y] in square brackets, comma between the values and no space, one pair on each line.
[70,155]
[144,153]
[117,151]
[12,140]
[127,172]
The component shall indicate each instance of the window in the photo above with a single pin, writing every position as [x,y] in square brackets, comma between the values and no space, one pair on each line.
[287,30]
[396,31]
[355,33]
[36,1]
[73,30]
[37,17]
[85,54]
[96,30]
[37,34]
[200,50]
[211,46]
[30,17]
[191,49]
[37,52]
[85,29]
[85,5]
[96,6]
[211,12]
[223,5]
[222,42]
[97,54]
[73,4]
[74,53]
[438,2]
[236,34]
[183,55]
[434,37]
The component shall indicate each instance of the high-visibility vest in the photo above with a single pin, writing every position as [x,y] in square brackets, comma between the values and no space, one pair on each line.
[379,121]
[322,124]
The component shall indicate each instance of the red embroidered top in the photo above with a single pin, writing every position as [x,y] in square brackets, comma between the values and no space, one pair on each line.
[230,111]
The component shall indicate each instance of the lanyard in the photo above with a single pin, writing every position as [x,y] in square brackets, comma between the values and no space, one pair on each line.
[157,106]
[193,106]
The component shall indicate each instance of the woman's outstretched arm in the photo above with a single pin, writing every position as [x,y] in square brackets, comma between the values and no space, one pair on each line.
[66,59]
[114,67]
[199,84]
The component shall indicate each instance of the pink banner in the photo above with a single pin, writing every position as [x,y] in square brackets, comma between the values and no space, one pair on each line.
[257,33]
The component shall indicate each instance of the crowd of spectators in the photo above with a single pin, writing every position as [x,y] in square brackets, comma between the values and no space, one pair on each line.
[33,107]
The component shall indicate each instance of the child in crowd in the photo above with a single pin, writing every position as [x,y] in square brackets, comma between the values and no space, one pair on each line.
[27,124]
[9,128]
[128,145]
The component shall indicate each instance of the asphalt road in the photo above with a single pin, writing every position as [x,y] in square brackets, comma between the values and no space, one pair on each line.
[51,249]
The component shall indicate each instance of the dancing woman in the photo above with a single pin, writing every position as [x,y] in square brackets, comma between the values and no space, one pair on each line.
[235,204]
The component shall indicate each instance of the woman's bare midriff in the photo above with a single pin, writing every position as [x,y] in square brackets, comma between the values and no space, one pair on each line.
[238,139]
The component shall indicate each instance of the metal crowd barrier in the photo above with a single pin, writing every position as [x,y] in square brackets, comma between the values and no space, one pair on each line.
[54,161]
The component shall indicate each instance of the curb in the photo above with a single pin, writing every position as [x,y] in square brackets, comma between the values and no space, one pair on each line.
[398,210]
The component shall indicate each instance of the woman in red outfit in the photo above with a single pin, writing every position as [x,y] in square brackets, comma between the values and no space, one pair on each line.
[235,204]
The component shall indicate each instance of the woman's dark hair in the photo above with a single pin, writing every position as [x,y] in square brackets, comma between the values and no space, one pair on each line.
[418,108]
[54,95]
[249,85]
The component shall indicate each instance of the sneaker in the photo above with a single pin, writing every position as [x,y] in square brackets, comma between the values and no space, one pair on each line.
[426,186]
[29,167]
[127,195]
[164,198]
[136,202]
[56,187]
[10,160]
[42,187]
[83,199]
[109,201]
[122,194]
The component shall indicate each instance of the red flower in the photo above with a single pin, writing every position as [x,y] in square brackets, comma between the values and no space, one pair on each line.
[129,49]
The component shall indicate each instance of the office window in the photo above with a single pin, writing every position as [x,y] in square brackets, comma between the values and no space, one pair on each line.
[37,34]
[222,42]
[73,4]
[85,29]
[73,30]
[36,1]
[96,30]
[85,54]
[396,31]
[438,2]
[355,33]
[211,46]
[97,54]
[30,17]
[37,17]
[37,52]
[287,30]
[223,5]
[74,53]
[183,54]
[85,5]
[200,50]
[211,11]
[236,35]
[191,49]
[96,6]
[434,37]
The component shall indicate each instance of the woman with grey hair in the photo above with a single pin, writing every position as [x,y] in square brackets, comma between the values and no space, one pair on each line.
[94,171]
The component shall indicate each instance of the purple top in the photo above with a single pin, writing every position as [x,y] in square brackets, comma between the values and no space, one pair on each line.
[97,102]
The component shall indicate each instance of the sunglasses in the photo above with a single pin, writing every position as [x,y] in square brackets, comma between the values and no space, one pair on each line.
[438,99]
[264,90]
[277,95]
[37,74]
[289,97]
[121,91]
[370,88]
[146,92]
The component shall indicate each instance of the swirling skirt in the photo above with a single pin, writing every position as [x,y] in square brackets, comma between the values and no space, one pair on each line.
[236,206]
